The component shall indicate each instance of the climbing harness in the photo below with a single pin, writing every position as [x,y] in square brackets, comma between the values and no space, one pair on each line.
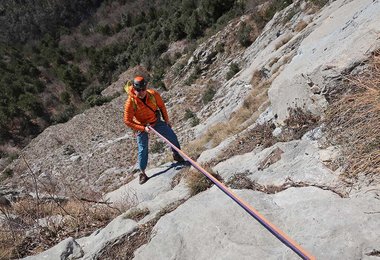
[250,210]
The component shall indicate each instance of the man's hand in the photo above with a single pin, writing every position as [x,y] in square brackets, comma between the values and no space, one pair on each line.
[147,129]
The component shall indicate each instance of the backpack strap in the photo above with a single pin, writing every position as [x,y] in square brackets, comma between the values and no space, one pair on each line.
[151,98]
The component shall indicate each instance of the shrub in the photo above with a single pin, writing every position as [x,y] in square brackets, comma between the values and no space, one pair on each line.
[195,121]
[29,103]
[270,10]
[234,68]
[98,100]
[219,47]
[105,30]
[191,115]
[208,95]
[158,147]
[193,27]
[319,3]
[194,75]
[197,182]
[64,116]
[7,173]
[65,97]
[244,35]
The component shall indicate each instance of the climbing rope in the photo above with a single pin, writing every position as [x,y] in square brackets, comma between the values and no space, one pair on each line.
[253,212]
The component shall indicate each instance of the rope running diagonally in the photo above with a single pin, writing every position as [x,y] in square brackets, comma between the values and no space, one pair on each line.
[250,210]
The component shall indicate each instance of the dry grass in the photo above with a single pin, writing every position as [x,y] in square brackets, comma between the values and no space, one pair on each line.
[282,41]
[125,247]
[197,182]
[273,61]
[62,219]
[353,122]
[259,136]
[297,124]
[241,181]
[253,102]
[300,26]
[137,214]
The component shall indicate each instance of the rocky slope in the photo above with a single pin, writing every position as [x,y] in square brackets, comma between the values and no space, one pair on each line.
[300,56]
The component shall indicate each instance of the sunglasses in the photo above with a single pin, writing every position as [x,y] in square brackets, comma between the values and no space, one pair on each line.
[139,89]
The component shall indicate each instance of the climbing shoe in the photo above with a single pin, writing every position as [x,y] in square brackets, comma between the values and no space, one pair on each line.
[143,178]
[178,158]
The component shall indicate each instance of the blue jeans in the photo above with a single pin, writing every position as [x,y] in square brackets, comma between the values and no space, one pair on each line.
[143,138]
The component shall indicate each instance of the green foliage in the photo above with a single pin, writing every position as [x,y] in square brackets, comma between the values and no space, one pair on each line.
[65,97]
[319,3]
[194,75]
[98,100]
[193,27]
[211,11]
[189,114]
[195,121]
[72,76]
[234,68]
[275,6]
[28,20]
[29,103]
[8,173]
[219,47]
[208,95]
[64,116]
[105,30]
[158,147]
[19,86]
[244,35]
[41,60]
[192,116]
[151,31]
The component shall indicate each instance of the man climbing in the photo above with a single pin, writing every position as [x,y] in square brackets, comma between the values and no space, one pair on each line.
[142,109]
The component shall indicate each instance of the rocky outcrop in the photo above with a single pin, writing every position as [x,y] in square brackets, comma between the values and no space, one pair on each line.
[342,36]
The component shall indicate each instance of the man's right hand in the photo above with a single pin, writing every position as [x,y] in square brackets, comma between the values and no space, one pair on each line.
[147,129]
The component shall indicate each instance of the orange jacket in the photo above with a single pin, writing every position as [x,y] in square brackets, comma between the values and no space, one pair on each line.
[137,115]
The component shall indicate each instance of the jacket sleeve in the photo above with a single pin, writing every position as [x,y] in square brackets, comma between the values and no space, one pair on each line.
[129,113]
[161,105]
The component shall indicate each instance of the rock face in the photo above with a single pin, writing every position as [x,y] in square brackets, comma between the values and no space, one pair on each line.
[342,35]
[67,249]
[302,164]
[289,183]
[211,226]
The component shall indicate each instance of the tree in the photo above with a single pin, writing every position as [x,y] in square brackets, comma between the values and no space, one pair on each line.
[193,27]
[244,35]
[211,10]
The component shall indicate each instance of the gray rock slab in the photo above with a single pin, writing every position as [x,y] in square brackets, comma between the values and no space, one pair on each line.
[158,203]
[212,226]
[344,33]
[159,182]
[116,229]
[300,162]
[212,153]
[67,249]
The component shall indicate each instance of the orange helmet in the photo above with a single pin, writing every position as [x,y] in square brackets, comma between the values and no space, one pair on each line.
[139,83]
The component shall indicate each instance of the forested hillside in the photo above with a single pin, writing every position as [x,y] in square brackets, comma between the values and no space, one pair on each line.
[57,56]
